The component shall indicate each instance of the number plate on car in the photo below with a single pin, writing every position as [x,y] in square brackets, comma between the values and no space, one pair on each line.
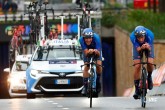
[62,81]
[19,87]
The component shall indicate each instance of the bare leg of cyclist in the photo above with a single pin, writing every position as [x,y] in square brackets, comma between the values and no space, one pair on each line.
[85,80]
[137,79]
[99,71]
[150,69]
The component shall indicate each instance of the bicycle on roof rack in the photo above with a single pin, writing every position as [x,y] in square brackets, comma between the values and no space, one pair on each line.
[38,22]
[91,90]
[86,8]
[143,85]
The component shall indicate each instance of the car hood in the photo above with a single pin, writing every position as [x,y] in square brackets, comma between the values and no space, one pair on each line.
[57,65]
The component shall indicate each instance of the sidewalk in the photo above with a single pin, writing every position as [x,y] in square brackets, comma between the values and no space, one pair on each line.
[158,76]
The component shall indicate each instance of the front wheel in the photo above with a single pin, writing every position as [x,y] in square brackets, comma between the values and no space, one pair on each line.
[144,87]
[90,91]
[143,102]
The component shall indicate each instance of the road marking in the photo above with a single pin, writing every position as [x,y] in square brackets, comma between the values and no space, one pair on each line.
[59,106]
[54,103]
[151,99]
[65,108]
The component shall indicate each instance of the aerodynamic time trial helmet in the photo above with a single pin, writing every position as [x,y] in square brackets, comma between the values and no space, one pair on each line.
[140,31]
[87,33]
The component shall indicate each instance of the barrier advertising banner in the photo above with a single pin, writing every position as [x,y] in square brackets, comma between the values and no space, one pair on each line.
[6,30]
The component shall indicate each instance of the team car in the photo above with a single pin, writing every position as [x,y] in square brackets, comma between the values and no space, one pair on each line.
[55,67]
[17,76]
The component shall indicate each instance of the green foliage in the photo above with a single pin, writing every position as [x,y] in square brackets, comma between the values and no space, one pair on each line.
[115,5]
[130,5]
[108,19]
[153,21]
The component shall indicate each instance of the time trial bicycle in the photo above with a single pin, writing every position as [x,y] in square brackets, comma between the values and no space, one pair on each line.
[143,85]
[92,87]
[86,8]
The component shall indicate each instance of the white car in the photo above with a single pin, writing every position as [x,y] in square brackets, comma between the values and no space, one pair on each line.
[17,76]
[55,68]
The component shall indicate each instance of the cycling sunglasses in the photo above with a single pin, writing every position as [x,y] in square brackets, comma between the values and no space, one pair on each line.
[138,35]
[88,36]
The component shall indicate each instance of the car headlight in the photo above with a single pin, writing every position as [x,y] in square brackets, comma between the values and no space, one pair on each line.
[34,72]
[15,80]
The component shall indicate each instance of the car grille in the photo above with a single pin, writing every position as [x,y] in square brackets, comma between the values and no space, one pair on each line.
[49,83]
[19,91]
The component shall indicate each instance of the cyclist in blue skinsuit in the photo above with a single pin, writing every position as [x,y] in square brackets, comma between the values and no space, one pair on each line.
[90,42]
[142,38]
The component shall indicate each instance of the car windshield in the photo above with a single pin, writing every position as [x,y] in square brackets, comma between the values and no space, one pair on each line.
[56,53]
[21,66]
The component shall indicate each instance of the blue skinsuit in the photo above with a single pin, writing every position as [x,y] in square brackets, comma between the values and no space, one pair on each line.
[148,38]
[95,44]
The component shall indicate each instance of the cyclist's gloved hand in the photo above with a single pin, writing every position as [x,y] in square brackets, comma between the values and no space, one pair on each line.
[90,51]
[145,46]
[96,52]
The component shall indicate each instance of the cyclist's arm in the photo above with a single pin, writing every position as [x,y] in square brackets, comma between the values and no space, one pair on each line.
[149,40]
[134,42]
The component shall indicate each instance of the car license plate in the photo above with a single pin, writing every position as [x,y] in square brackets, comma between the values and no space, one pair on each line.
[19,87]
[62,81]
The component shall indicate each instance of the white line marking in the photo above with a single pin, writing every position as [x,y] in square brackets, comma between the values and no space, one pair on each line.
[59,106]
